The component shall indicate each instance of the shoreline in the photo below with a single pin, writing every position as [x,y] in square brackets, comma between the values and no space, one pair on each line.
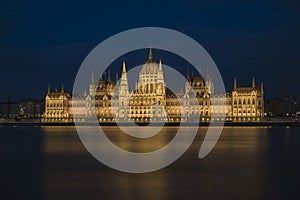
[263,123]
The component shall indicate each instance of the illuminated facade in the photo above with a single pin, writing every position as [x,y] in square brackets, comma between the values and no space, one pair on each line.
[247,102]
[58,106]
[151,100]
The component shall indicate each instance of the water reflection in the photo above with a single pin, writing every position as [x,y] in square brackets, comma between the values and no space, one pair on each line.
[246,163]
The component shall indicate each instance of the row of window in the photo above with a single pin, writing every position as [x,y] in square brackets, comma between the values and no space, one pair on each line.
[239,101]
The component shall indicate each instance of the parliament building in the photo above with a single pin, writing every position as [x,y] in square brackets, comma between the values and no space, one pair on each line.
[151,100]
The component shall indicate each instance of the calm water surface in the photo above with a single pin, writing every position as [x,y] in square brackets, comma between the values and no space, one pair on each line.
[247,163]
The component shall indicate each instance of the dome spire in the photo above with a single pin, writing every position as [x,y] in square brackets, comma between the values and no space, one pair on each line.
[150,56]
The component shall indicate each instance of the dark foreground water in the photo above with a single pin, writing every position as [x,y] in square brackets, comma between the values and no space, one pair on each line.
[247,163]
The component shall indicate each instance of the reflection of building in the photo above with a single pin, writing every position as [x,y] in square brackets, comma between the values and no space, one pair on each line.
[151,100]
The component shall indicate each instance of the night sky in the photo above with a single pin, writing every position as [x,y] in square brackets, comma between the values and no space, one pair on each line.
[43,43]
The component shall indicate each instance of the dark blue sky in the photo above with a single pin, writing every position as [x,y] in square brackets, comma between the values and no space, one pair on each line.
[43,43]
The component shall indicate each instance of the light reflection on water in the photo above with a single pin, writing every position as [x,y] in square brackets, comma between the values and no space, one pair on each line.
[246,163]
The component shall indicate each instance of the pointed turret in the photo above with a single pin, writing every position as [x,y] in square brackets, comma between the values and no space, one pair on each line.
[123,81]
[253,82]
[207,75]
[188,78]
[160,66]
[108,76]
[234,84]
[49,89]
[62,88]
[117,78]
[124,68]
[92,81]
[188,82]
[92,86]
[193,74]
[160,74]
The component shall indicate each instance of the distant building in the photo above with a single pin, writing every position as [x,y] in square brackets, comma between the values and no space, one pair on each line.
[27,108]
[151,100]
[9,109]
[279,107]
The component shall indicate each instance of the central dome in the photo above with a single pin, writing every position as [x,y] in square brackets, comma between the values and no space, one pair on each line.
[150,67]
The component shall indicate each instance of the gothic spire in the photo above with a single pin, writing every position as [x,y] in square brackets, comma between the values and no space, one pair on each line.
[188,75]
[253,82]
[108,78]
[93,81]
[160,66]
[234,84]
[124,68]
[49,89]
[117,78]
[62,88]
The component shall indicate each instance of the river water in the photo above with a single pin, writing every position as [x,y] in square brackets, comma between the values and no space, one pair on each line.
[246,163]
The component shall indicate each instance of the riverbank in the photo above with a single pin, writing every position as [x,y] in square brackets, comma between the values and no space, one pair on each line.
[37,123]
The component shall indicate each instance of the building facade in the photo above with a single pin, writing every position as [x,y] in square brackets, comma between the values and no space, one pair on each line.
[151,100]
